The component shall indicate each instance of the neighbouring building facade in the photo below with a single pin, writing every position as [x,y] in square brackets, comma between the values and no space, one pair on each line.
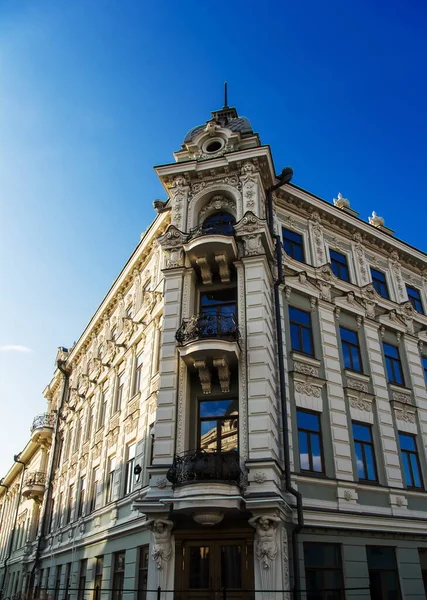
[245,415]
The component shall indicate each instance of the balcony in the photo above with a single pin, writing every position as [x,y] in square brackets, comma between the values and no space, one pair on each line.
[209,341]
[211,248]
[205,481]
[34,485]
[205,466]
[42,427]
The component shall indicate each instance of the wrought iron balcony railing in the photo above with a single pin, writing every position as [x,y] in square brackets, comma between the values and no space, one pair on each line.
[205,326]
[44,420]
[204,466]
[35,478]
[217,228]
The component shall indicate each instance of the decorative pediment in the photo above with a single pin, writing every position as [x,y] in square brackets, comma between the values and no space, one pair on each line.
[250,223]
[303,283]
[172,238]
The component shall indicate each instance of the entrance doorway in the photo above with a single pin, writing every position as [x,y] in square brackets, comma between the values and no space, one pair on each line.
[205,568]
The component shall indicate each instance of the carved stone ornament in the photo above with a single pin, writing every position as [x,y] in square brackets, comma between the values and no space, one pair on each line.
[217,203]
[355,384]
[348,495]
[253,244]
[172,238]
[174,258]
[306,369]
[162,546]
[250,223]
[223,373]
[83,384]
[131,422]
[204,376]
[224,269]
[128,328]
[360,403]
[341,202]
[399,501]
[96,451]
[375,220]
[403,414]
[308,389]
[161,482]
[260,477]
[266,548]
[402,397]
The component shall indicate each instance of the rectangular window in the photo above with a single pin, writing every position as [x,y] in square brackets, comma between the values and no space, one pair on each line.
[152,442]
[351,349]
[393,364]
[129,311]
[414,297]
[67,582]
[144,556]
[410,460]
[218,425]
[339,265]
[383,574]
[102,409]
[99,566]
[119,392]
[69,444]
[89,426]
[310,441]
[364,448]
[69,513]
[138,374]
[130,463]
[94,489]
[323,571]
[380,283]
[51,513]
[293,244]
[82,494]
[110,479]
[301,331]
[57,582]
[422,552]
[82,579]
[59,509]
[78,434]
[118,575]
[424,362]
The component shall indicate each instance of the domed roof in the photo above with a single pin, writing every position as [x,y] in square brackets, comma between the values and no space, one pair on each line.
[226,118]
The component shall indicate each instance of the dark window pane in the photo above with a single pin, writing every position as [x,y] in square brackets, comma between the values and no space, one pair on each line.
[348,335]
[391,351]
[295,342]
[362,432]
[339,265]
[380,557]
[231,567]
[299,316]
[199,567]
[359,459]
[316,453]
[407,442]
[407,469]
[370,463]
[293,244]
[217,408]
[346,356]
[307,345]
[415,298]
[415,470]
[355,359]
[303,450]
[308,420]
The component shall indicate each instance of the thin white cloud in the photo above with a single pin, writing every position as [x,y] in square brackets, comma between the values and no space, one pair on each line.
[15,348]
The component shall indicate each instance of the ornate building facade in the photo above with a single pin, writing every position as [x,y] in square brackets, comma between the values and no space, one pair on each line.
[245,415]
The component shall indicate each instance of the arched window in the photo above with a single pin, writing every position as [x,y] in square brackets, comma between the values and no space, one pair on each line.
[219,223]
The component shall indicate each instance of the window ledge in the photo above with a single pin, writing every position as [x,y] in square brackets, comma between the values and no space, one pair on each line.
[305,358]
[357,375]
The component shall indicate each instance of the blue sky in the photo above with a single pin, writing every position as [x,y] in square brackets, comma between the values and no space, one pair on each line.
[96,92]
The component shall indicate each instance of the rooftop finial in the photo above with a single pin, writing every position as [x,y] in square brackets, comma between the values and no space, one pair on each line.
[225,95]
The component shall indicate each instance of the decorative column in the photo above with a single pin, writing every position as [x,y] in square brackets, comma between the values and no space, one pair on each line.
[179,194]
[161,566]
[317,241]
[271,563]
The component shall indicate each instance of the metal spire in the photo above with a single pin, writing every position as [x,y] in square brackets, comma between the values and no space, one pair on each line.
[225,95]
